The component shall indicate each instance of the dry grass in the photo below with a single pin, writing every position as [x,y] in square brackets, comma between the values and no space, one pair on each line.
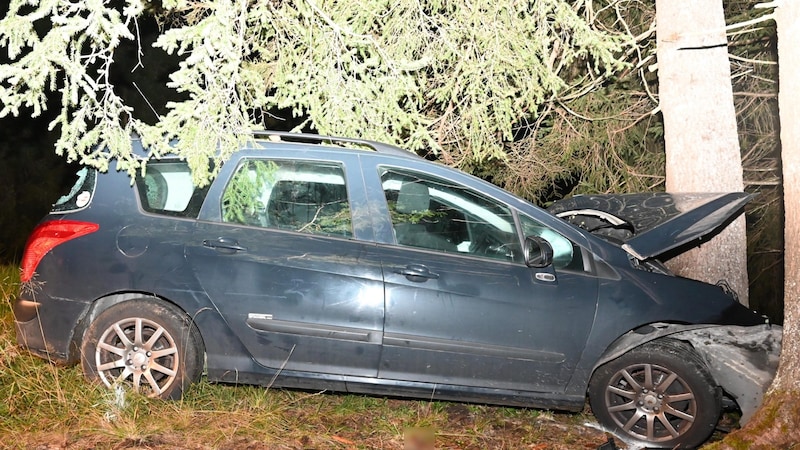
[48,407]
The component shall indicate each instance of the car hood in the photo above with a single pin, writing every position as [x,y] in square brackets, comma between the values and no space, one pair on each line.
[656,222]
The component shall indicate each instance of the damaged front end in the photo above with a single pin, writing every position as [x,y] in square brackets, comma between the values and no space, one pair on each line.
[742,359]
[648,225]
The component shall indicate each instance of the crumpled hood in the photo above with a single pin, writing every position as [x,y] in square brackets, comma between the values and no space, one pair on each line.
[656,222]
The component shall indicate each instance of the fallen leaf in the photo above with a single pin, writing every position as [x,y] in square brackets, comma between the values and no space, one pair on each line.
[342,440]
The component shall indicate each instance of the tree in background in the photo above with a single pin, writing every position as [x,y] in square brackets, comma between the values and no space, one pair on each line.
[775,423]
[700,134]
[459,80]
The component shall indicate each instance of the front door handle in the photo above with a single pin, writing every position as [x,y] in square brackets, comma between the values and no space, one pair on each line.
[416,272]
[224,245]
[546,277]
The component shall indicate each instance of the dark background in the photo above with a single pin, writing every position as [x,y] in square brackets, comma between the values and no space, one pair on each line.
[33,177]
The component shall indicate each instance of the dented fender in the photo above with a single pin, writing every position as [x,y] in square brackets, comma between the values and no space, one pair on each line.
[742,360]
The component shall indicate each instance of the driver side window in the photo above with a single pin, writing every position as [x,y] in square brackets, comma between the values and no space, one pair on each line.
[437,214]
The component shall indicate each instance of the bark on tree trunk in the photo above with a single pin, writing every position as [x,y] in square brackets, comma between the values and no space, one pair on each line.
[775,424]
[702,144]
[788,20]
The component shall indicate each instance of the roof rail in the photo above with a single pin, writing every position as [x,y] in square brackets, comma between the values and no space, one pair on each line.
[379,147]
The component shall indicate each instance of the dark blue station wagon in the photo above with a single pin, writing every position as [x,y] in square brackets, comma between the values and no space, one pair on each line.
[340,264]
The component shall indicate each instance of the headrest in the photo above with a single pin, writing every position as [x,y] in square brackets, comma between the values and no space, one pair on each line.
[413,197]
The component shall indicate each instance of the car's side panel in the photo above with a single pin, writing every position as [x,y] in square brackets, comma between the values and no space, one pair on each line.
[477,321]
[298,301]
[634,298]
[132,254]
[483,322]
[295,302]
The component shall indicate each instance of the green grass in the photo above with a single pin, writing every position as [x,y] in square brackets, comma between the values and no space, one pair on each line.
[46,406]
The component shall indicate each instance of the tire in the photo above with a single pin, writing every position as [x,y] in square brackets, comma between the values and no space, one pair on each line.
[660,395]
[148,345]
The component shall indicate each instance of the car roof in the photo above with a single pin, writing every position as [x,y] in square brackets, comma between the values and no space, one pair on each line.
[276,138]
[333,141]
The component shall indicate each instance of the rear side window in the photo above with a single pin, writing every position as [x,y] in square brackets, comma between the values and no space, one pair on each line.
[81,192]
[166,188]
[302,196]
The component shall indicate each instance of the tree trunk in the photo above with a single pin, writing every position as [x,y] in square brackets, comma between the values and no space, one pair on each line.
[788,20]
[702,144]
[775,425]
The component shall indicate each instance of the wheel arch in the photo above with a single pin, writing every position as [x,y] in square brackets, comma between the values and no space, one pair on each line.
[742,360]
[107,301]
[640,336]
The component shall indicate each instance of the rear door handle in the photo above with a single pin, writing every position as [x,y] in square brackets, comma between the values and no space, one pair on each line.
[416,272]
[224,245]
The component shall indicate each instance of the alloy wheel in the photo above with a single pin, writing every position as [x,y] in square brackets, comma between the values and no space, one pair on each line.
[139,352]
[651,402]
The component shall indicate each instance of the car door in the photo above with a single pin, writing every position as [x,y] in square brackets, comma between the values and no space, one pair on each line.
[278,257]
[461,306]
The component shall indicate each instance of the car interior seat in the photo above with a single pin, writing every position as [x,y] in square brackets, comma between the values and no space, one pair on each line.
[414,198]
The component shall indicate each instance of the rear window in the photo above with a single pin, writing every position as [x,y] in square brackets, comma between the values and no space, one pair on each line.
[303,196]
[81,192]
[166,188]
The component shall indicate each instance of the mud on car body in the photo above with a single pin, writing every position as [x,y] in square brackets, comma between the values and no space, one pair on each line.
[317,262]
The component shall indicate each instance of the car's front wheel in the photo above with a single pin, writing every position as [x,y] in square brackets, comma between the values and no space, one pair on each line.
[147,344]
[660,394]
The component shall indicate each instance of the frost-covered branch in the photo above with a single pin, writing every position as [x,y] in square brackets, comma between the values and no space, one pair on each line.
[454,78]
[73,58]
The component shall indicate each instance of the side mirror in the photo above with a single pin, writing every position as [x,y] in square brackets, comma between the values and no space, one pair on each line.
[538,252]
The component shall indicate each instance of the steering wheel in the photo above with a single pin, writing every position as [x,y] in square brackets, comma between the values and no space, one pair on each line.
[490,245]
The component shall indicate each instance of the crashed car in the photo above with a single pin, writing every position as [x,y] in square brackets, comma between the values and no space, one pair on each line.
[327,263]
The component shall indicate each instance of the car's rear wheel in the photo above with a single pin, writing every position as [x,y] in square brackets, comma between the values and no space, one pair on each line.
[660,394]
[146,344]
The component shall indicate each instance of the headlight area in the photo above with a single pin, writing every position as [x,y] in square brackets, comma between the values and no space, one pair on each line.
[743,360]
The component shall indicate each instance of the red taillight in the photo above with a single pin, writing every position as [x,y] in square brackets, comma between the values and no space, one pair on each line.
[46,237]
